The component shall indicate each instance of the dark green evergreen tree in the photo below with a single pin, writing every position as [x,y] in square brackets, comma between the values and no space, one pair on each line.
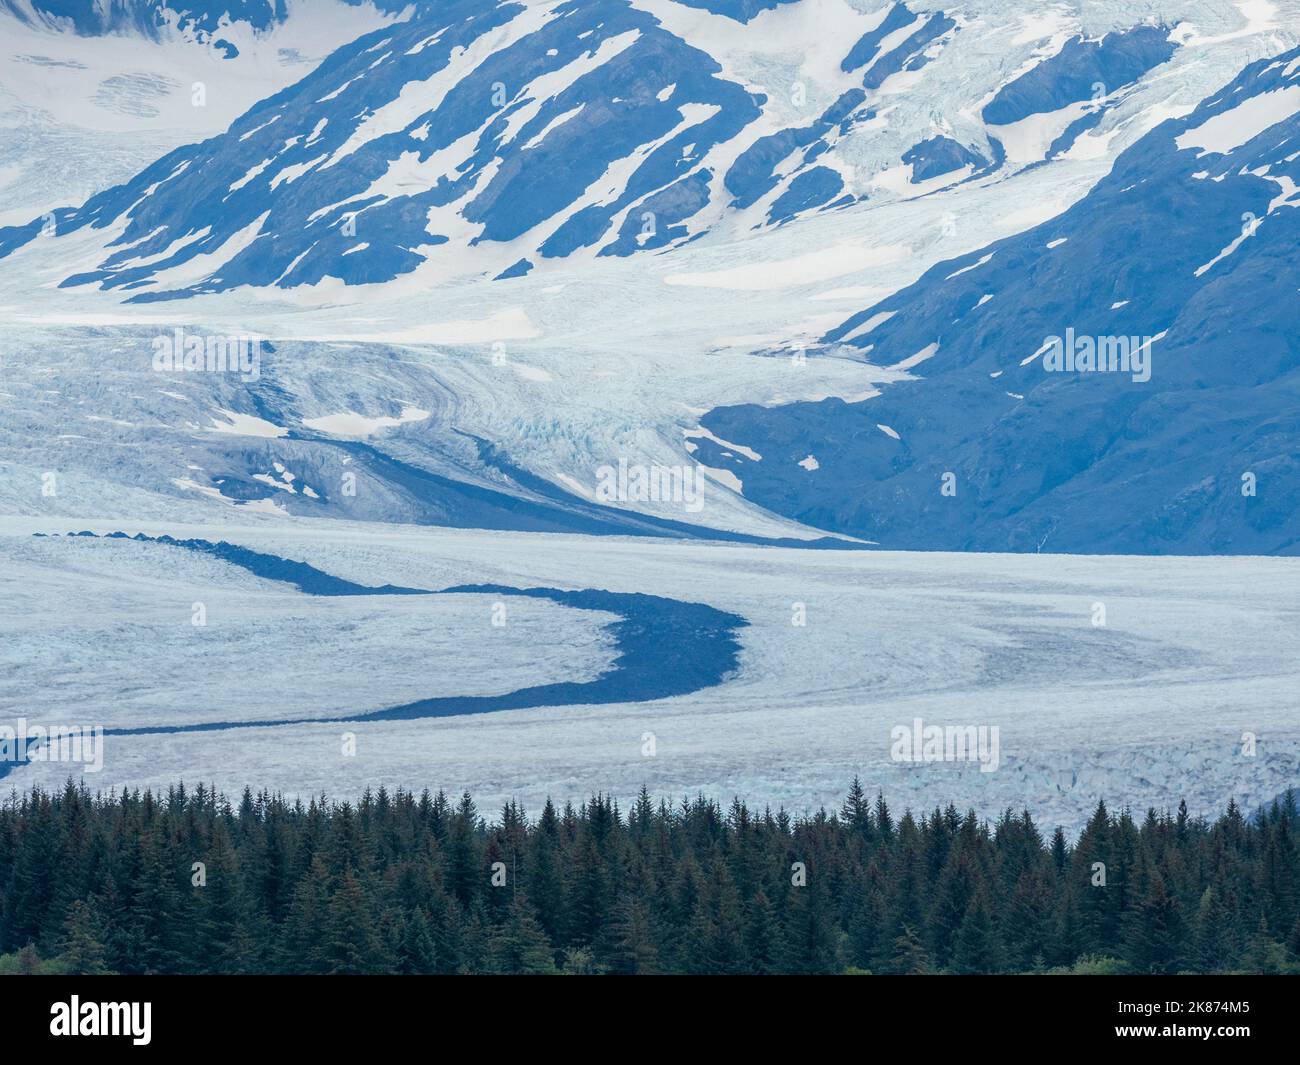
[83,947]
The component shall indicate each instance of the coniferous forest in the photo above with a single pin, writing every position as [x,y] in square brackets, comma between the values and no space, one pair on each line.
[399,883]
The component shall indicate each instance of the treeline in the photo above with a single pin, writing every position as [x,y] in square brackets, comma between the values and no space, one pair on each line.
[399,883]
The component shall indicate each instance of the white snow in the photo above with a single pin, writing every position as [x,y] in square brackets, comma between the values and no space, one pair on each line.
[294,171]
[1230,129]
[236,424]
[813,266]
[1028,140]
[553,124]
[1047,343]
[700,433]
[983,260]
[252,173]
[916,358]
[352,425]
[866,327]
[208,263]
[726,477]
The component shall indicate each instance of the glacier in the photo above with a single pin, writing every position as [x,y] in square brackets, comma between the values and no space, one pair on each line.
[1149,708]
[811,252]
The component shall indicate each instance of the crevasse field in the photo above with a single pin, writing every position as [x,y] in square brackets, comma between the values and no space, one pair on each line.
[1152,706]
[805,256]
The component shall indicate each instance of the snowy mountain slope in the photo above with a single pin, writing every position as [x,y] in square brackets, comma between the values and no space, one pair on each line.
[804,256]
[383,94]
[87,105]
[1082,69]
[532,384]
[482,139]
[199,20]
[1191,240]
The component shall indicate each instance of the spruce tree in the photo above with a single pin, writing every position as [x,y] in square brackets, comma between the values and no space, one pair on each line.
[634,951]
[350,943]
[1155,931]
[83,948]
[977,949]
[519,946]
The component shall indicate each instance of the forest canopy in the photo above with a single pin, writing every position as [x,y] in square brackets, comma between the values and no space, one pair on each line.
[186,882]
